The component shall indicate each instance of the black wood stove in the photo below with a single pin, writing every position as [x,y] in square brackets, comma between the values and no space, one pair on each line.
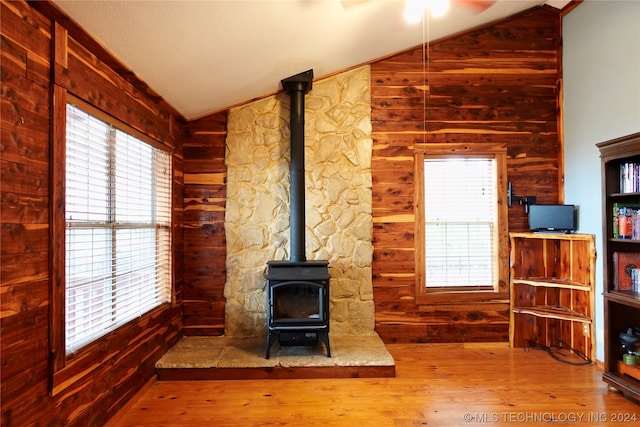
[297,289]
[298,303]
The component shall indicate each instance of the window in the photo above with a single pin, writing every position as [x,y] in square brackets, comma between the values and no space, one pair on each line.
[460,217]
[462,232]
[118,227]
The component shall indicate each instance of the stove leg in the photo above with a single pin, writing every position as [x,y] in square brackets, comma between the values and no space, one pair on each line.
[270,338]
[324,337]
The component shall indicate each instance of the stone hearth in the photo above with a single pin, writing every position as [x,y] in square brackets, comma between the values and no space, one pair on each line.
[226,358]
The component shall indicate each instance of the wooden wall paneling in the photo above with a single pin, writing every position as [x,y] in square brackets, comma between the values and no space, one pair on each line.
[478,332]
[52,12]
[496,84]
[404,332]
[32,38]
[393,223]
[401,331]
[25,365]
[109,381]
[204,242]
[97,382]
[57,257]
[24,247]
[89,79]
[493,311]
[398,291]
[178,218]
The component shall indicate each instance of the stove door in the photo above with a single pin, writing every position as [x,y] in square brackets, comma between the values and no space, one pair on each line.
[297,303]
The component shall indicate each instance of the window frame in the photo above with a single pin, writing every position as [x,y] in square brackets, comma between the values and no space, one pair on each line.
[499,289]
[61,362]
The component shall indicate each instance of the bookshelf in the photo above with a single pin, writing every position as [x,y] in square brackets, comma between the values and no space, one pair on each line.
[620,158]
[551,290]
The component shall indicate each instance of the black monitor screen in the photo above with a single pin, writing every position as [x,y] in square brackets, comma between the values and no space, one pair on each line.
[552,218]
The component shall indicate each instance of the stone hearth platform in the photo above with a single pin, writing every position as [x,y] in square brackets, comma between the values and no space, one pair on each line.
[218,358]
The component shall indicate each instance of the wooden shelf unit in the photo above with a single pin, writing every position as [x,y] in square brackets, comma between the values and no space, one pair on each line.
[551,290]
[621,307]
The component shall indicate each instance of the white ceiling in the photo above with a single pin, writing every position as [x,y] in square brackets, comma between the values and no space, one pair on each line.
[209,55]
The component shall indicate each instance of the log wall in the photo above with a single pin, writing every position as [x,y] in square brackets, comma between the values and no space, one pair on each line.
[496,84]
[45,57]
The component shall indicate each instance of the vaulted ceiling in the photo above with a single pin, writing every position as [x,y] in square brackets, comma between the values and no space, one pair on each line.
[209,55]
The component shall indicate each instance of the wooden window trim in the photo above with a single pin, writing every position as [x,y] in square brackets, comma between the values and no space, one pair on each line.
[57,233]
[67,369]
[442,295]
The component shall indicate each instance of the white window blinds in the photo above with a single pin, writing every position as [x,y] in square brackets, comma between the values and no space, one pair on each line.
[118,228]
[460,206]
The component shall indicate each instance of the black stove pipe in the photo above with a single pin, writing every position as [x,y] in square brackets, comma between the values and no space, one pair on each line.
[297,86]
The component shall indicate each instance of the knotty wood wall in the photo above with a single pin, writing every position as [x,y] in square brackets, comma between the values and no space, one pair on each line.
[44,53]
[204,240]
[497,84]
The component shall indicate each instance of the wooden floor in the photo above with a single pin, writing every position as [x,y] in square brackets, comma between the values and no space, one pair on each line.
[435,385]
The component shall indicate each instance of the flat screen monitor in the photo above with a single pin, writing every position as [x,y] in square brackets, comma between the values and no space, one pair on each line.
[552,218]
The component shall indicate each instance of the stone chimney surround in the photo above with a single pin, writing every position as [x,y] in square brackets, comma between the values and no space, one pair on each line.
[339,227]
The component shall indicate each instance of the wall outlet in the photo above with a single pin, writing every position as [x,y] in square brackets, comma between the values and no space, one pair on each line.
[585,329]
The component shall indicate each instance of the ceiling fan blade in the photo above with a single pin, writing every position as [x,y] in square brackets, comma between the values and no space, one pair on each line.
[476,5]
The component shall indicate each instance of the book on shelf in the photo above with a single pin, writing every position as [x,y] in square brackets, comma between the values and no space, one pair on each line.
[629,177]
[626,220]
[623,265]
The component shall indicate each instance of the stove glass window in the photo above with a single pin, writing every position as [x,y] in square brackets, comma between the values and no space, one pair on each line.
[297,301]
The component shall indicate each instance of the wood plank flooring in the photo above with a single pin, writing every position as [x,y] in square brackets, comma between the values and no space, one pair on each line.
[435,385]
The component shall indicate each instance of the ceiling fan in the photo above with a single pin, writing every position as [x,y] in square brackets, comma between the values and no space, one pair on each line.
[414,9]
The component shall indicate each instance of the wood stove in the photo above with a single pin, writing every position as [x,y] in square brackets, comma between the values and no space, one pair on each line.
[297,303]
[297,290]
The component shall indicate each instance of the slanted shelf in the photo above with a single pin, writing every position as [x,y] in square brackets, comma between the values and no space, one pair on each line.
[551,289]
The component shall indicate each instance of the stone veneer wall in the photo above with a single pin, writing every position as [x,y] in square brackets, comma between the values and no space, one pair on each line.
[339,227]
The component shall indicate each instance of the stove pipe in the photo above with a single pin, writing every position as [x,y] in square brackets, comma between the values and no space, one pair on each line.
[297,86]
